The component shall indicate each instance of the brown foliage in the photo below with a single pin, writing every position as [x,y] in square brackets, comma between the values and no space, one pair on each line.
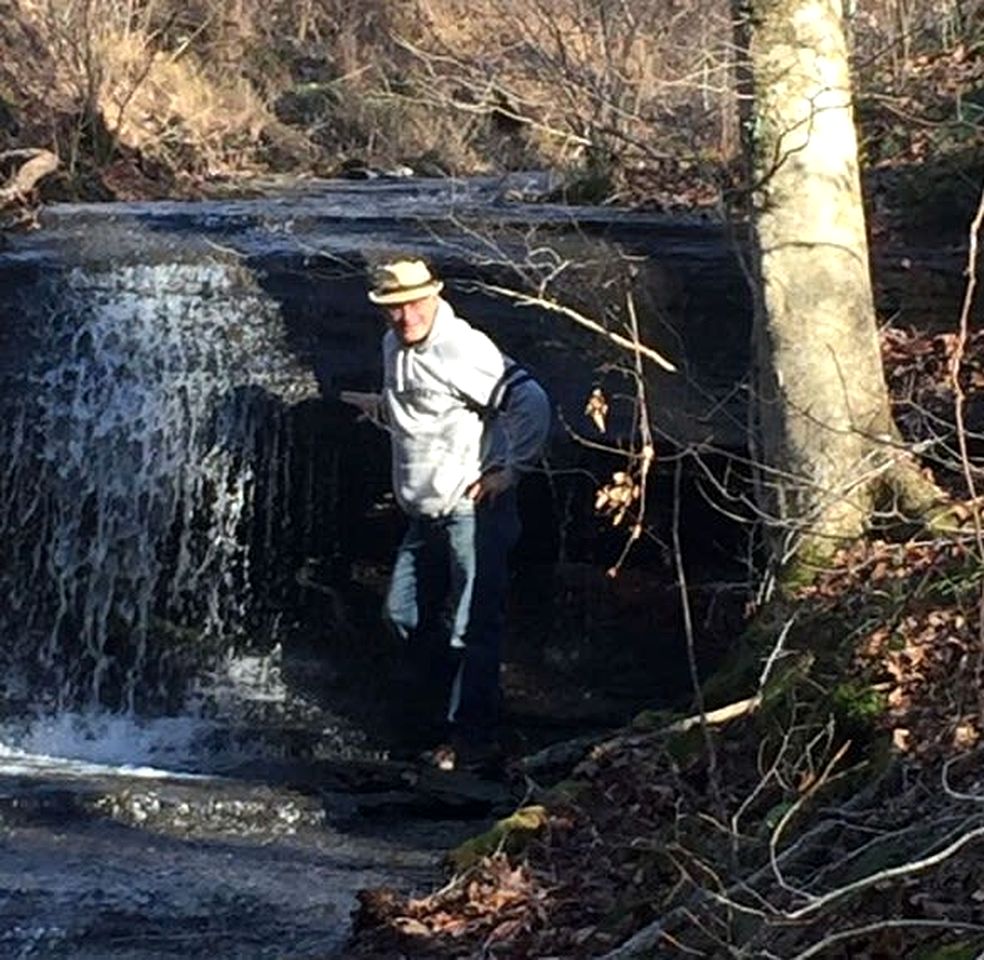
[893,633]
[636,96]
[917,367]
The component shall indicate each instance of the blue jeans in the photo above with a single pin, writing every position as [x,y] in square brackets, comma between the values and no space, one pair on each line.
[447,604]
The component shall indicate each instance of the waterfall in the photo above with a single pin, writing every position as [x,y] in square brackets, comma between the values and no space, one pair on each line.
[145,469]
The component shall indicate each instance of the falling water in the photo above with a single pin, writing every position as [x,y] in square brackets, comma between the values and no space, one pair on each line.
[144,461]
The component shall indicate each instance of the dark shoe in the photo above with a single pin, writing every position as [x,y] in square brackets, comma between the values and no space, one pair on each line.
[483,759]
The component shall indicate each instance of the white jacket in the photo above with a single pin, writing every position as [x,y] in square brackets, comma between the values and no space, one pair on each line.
[455,406]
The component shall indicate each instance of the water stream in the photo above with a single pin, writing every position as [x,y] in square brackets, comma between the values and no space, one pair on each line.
[129,481]
[186,768]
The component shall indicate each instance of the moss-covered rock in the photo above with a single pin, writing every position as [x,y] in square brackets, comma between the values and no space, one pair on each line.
[511,834]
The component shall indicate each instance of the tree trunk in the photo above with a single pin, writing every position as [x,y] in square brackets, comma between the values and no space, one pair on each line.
[828,445]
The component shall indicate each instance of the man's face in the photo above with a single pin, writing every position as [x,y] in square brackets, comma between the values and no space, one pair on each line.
[412,321]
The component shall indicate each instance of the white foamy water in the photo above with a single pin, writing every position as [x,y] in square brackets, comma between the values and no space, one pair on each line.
[138,450]
[218,728]
[85,745]
[246,678]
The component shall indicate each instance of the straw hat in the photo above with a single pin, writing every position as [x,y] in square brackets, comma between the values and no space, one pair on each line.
[403,281]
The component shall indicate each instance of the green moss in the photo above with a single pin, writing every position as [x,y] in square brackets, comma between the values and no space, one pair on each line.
[687,746]
[787,674]
[511,834]
[647,720]
[738,673]
[857,706]
[797,575]
[773,817]
[813,558]
[566,792]
[964,950]
[961,581]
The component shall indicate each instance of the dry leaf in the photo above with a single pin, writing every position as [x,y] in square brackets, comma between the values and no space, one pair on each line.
[597,409]
[965,736]
[900,739]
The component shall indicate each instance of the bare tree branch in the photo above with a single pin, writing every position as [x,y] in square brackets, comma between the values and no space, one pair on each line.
[854,932]
[529,300]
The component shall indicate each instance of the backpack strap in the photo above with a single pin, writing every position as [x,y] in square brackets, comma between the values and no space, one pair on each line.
[513,376]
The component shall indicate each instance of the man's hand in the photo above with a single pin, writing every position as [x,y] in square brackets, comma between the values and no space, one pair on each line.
[368,404]
[490,484]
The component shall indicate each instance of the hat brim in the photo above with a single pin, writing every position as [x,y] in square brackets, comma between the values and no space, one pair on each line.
[407,294]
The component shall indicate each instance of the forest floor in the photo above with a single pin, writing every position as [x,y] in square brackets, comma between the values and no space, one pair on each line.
[838,810]
[838,814]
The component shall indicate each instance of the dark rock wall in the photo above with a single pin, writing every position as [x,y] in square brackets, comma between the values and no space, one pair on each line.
[177,470]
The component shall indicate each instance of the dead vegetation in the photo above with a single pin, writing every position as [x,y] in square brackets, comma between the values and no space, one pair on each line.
[633,100]
[842,816]
[834,811]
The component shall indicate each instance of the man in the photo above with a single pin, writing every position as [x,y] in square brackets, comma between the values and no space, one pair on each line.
[464,420]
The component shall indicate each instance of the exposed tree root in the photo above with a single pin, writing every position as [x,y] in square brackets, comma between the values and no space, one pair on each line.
[902,496]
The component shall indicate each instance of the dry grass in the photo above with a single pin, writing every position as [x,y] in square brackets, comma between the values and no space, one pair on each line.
[583,78]
[168,107]
[199,86]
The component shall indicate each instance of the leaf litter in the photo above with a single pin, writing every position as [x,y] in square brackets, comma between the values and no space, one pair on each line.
[844,820]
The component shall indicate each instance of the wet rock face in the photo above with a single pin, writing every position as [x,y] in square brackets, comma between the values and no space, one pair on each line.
[200,808]
[170,451]
[147,437]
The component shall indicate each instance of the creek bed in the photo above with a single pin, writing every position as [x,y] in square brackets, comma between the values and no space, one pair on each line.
[107,863]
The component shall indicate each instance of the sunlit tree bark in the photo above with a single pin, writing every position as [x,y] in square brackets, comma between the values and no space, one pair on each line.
[828,444]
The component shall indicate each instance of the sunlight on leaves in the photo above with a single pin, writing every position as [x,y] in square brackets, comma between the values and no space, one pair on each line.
[597,409]
[616,497]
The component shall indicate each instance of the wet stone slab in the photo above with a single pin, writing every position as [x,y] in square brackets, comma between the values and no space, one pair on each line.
[115,867]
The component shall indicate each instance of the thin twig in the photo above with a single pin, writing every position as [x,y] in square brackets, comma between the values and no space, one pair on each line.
[792,811]
[776,652]
[892,873]
[688,628]
[647,452]
[640,943]
[855,932]
[956,794]
[528,300]
[959,402]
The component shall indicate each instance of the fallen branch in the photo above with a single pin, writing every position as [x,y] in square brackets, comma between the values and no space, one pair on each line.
[740,708]
[649,936]
[643,941]
[835,938]
[38,164]
[802,799]
[568,752]
[892,873]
